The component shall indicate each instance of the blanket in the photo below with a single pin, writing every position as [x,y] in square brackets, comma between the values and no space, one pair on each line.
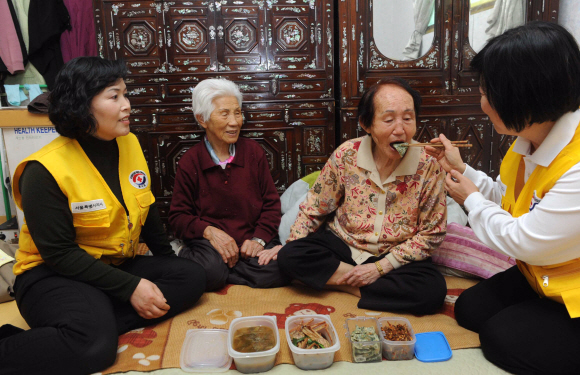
[159,346]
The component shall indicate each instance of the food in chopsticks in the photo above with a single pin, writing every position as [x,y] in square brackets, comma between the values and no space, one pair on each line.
[311,335]
[401,148]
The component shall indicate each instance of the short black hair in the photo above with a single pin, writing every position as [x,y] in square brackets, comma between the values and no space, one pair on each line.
[366,106]
[76,84]
[530,74]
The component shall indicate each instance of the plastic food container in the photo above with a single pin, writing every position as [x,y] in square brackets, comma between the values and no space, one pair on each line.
[312,359]
[257,361]
[364,351]
[396,350]
[205,350]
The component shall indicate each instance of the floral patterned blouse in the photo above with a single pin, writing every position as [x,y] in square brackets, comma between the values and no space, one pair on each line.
[405,215]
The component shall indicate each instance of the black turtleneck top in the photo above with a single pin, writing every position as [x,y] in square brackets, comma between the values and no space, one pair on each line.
[50,222]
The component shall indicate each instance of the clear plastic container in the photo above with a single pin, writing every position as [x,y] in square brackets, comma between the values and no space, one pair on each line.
[257,361]
[312,359]
[364,351]
[396,350]
[205,350]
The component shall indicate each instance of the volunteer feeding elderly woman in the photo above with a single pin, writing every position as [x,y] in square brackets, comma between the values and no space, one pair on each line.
[527,316]
[371,220]
[225,205]
[86,198]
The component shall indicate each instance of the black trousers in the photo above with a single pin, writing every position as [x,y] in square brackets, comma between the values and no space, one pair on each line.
[519,331]
[417,287]
[75,326]
[247,271]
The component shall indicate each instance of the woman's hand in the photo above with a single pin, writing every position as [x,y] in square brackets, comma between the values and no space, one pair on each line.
[148,300]
[448,157]
[250,249]
[361,275]
[267,255]
[224,245]
[459,186]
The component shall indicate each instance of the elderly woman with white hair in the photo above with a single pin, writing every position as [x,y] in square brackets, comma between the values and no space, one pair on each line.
[225,206]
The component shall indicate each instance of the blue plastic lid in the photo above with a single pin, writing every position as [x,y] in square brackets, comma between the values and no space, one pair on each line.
[432,347]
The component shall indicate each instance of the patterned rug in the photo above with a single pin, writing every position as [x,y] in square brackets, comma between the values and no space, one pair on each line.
[159,346]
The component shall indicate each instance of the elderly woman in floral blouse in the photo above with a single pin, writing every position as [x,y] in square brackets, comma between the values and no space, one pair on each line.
[372,219]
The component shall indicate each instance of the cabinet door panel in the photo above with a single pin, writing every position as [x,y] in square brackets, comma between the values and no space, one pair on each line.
[309,113]
[186,118]
[478,131]
[242,44]
[501,144]
[192,36]
[263,116]
[310,124]
[349,127]
[429,127]
[314,140]
[132,31]
[308,86]
[277,145]
[292,37]
[167,148]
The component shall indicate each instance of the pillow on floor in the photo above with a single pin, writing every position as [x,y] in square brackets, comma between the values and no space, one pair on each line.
[6,276]
[291,199]
[463,254]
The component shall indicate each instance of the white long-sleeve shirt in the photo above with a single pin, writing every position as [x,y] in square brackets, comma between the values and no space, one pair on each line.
[550,233]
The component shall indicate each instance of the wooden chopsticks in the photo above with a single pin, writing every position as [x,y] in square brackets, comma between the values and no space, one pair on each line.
[454,143]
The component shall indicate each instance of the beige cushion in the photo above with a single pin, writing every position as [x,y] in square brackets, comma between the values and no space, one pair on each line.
[6,275]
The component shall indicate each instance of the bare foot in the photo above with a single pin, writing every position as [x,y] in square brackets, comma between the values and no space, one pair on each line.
[345,288]
[340,271]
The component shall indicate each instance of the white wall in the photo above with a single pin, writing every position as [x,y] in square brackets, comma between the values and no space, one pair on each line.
[569,17]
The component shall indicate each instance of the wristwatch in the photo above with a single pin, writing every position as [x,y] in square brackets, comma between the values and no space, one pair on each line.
[259,240]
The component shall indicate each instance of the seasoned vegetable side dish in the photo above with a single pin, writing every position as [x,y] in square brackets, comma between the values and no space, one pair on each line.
[311,336]
[397,332]
[362,350]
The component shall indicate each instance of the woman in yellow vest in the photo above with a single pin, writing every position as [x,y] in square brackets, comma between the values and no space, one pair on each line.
[87,200]
[528,316]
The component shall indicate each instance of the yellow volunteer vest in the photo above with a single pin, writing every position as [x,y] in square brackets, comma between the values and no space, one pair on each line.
[559,282]
[103,227]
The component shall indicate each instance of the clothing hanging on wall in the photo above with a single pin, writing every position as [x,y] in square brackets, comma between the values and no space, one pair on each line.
[80,40]
[12,47]
[31,74]
[47,19]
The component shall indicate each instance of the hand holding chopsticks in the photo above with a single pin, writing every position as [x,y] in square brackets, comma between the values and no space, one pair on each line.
[448,158]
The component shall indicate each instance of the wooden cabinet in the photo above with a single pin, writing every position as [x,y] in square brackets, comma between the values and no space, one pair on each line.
[449,90]
[280,53]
